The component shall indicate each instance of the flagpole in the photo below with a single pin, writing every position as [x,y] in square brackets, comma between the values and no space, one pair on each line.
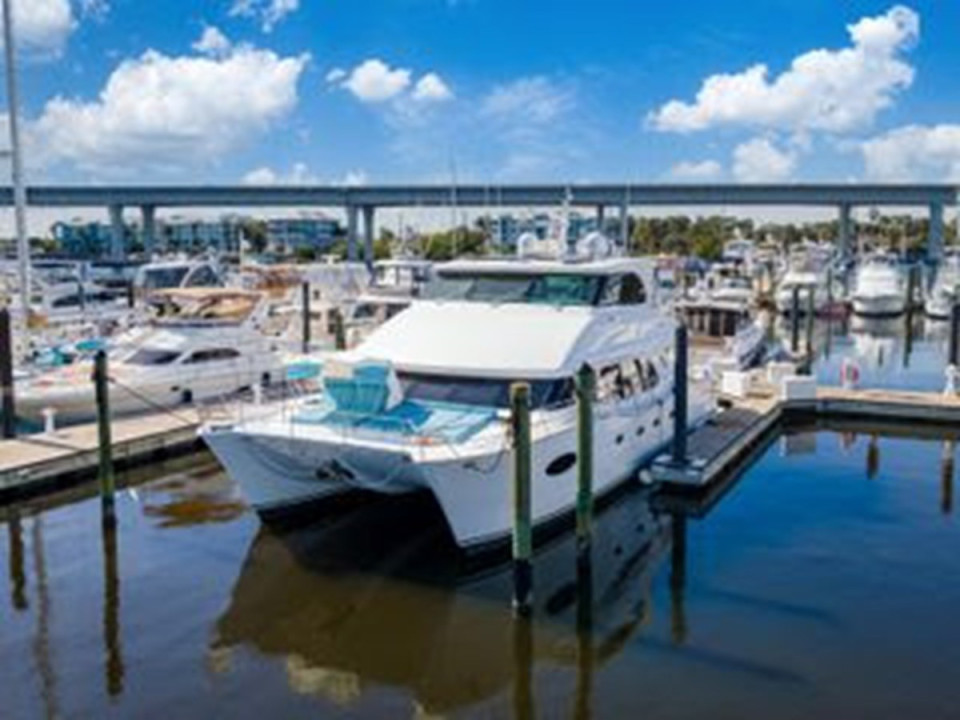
[19,189]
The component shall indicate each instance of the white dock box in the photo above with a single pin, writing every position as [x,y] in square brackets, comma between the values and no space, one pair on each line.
[735,383]
[798,387]
[777,371]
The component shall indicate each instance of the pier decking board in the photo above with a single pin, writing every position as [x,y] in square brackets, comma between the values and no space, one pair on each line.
[717,446]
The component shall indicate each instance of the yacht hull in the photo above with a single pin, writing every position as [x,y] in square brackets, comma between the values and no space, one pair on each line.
[879,305]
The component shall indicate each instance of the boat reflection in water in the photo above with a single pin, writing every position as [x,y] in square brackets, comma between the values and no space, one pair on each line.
[378,596]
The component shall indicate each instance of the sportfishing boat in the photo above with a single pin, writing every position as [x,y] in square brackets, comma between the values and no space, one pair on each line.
[422,404]
[945,292]
[722,331]
[879,287]
[205,345]
[808,274]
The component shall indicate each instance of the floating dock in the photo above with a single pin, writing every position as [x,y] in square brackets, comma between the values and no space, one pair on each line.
[721,444]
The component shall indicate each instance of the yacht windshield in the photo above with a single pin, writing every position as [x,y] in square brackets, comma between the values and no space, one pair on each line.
[152,356]
[482,392]
[164,278]
[538,289]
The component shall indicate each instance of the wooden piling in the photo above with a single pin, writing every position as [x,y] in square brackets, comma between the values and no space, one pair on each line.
[522,500]
[18,576]
[946,477]
[810,319]
[6,376]
[954,333]
[113,655]
[680,396]
[131,295]
[795,321]
[339,332]
[678,578]
[585,386]
[305,302]
[105,442]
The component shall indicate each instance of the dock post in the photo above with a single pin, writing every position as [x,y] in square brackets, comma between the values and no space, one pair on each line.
[954,333]
[6,375]
[305,310]
[18,577]
[101,380]
[810,319]
[339,332]
[113,666]
[795,321]
[522,522]
[131,295]
[585,389]
[680,396]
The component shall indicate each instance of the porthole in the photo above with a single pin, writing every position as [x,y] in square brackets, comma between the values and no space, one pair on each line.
[641,430]
[561,464]
[619,439]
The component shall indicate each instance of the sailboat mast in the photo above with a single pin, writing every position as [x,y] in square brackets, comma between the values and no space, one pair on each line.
[19,189]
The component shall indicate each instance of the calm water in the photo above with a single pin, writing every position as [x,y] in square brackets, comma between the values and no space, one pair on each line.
[826,582]
[887,355]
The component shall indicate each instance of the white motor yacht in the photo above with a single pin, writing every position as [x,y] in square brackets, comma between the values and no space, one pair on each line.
[945,292]
[808,274]
[422,403]
[206,347]
[723,332]
[879,287]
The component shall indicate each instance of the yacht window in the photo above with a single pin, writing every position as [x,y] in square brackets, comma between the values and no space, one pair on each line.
[609,383]
[203,276]
[364,311]
[213,354]
[164,278]
[626,289]
[483,392]
[541,289]
[393,310]
[649,377]
[630,378]
[151,356]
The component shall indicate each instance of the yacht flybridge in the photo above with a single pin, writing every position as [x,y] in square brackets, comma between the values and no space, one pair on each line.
[422,403]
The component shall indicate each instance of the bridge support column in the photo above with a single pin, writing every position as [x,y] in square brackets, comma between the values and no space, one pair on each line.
[117,232]
[148,216]
[352,232]
[935,234]
[845,235]
[369,213]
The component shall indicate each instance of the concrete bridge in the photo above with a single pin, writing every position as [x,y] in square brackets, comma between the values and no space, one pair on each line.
[365,201]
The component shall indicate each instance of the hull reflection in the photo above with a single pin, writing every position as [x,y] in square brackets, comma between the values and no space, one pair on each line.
[379,597]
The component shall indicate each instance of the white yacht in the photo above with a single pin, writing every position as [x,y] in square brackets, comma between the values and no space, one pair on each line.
[723,331]
[175,275]
[945,292]
[207,347]
[806,272]
[422,403]
[879,287]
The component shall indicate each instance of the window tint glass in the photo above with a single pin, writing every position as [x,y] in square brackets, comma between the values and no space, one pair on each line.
[482,392]
[149,356]
[202,356]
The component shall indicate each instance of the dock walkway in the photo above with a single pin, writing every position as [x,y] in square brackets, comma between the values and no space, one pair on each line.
[720,444]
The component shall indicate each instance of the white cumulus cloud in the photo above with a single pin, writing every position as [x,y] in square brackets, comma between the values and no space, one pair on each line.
[759,160]
[697,171]
[300,174]
[915,152]
[432,88]
[161,112]
[212,42]
[42,27]
[374,81]
[828,90]
[268,12]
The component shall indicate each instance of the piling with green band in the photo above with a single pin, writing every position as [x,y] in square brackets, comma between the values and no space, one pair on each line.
[795,320]
[107,485]
[305,289]
[6,375]
[522,500]
[585,386]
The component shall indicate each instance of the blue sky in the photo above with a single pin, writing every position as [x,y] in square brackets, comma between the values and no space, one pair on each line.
[497,91]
